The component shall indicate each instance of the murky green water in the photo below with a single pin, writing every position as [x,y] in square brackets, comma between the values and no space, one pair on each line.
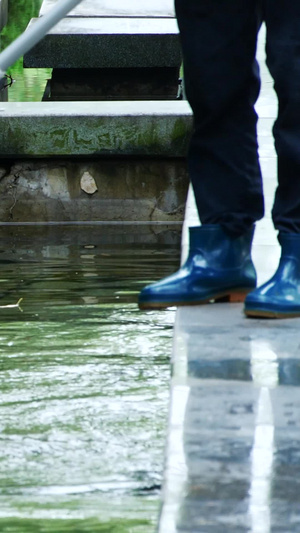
[29,83]
[84,378]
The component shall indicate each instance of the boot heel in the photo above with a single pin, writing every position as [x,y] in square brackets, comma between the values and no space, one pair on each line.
[237,297]
[233,297]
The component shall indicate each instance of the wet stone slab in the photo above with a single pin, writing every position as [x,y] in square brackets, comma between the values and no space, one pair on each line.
[235,438]
[117,8]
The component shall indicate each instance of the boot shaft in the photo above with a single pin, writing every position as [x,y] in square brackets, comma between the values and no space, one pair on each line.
[289,265]
[218,249]
[290,245]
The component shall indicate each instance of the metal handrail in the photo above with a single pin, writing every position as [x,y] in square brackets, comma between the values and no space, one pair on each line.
[33,35]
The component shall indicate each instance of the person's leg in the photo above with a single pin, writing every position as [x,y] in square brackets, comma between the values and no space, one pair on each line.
[221,81]
[280,296]
[283,60]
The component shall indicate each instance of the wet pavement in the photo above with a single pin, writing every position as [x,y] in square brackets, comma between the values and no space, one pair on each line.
[84,377]
[233,455]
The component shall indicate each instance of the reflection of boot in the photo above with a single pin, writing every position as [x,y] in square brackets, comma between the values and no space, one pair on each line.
[218,267]
[280,296]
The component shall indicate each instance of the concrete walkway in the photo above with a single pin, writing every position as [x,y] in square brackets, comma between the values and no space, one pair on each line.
[233,455]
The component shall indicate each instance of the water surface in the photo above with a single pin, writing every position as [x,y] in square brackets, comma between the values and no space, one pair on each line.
[84,378]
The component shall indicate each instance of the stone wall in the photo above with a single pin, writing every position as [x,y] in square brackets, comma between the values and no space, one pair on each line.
[115,189]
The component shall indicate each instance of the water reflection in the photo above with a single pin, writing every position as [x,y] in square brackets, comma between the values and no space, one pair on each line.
[85,378]
[264,368]
[285,371]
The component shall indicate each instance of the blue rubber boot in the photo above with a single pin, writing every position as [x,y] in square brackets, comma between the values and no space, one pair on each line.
[218,267]
[280,296]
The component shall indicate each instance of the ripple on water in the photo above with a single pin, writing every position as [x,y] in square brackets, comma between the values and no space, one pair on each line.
[84,389]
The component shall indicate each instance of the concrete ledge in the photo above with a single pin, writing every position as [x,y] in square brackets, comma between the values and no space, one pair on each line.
[42,129]
[117,8]
[3,13]
[127,189]
[108,42]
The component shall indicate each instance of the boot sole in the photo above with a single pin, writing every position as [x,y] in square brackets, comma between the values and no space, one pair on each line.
[257,313]
[232,297]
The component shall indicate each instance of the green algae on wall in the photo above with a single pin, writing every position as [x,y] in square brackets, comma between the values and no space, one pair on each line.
[96,130]
[15,525]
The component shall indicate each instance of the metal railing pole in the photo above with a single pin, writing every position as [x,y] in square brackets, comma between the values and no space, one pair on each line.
[34,34]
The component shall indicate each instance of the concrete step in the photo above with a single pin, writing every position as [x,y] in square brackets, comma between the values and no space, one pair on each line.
[127,50]
[117,8]
[108,42]
[42,129]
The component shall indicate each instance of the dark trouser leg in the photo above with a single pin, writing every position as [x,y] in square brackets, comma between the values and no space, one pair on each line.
[279,297]
[222,85]
[283,59]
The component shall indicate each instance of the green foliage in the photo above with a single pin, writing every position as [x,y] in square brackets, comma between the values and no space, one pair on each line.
[19,14]
[30,82]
